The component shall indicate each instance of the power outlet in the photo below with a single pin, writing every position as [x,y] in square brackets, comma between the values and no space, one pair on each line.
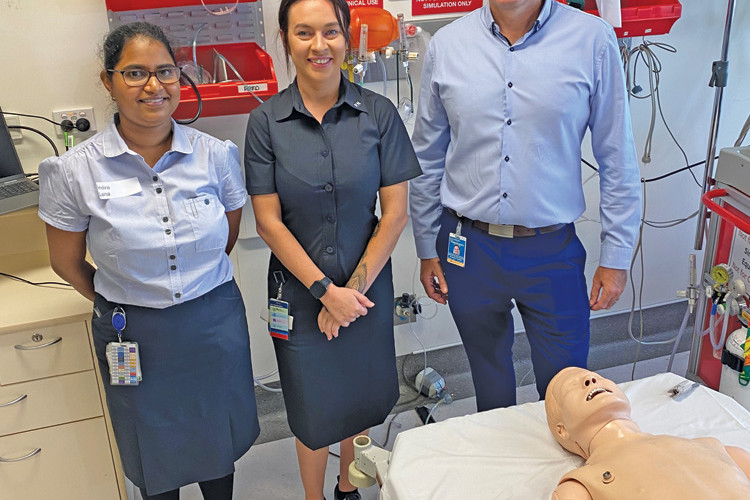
[405,309]
[15,133]
[73,115]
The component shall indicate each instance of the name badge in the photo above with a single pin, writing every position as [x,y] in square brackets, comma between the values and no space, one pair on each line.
[278,321]
[457,250]
[118,189]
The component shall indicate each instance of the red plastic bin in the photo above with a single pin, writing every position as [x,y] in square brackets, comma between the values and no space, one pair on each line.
[229,98]
[643,17]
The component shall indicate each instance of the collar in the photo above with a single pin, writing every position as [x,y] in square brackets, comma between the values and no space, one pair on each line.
[290,101]
[114,145]
[491,25]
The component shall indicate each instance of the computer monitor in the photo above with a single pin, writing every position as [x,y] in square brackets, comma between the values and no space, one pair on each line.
[12,176]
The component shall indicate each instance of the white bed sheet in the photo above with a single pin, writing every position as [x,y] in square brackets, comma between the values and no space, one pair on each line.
[509,453]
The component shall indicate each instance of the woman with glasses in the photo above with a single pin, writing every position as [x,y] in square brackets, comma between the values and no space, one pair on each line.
[158,207]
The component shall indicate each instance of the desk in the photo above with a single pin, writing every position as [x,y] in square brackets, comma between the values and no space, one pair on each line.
[51,395]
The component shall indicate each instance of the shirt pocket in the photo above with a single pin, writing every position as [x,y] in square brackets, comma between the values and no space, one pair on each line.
[210,226]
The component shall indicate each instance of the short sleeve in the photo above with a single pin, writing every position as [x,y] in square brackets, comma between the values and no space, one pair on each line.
[398,162]
[57,204]
[232,188]
[260,161]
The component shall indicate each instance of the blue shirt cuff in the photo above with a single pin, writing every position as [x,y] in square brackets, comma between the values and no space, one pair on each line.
[425,248]
[615,257]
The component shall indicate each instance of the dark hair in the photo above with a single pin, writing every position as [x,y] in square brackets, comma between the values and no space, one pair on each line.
[340,7]
[120,36]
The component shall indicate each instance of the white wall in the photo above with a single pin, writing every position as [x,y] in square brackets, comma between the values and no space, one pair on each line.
[51,62]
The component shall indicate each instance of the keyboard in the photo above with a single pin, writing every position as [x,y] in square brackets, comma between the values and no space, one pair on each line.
[17,188]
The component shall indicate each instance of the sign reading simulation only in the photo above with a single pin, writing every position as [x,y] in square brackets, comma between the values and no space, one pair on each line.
[426,7]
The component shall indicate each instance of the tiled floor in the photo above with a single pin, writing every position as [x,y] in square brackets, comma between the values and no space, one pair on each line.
[269,470]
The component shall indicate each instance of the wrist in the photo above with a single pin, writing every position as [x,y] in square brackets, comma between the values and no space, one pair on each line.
[319,288]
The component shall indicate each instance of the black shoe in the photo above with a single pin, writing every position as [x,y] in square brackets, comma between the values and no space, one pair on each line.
[349,495]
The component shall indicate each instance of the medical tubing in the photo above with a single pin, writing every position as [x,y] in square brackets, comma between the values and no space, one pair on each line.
[265,387]
[718,345]
[432,410]
[198,71]
[385,74]
[200,101]
[683,327]
[743,133]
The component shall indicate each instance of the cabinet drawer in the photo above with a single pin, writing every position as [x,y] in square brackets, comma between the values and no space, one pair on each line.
[49,402]
[74,463]
[32,354]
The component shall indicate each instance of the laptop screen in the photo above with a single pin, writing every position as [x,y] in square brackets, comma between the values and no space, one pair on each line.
[9,162]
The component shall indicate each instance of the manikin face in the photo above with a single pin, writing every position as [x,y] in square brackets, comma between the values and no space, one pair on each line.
[152,104]
[316,43]
[579,403]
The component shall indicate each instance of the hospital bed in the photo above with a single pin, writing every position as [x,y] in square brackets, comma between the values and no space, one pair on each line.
[509,453]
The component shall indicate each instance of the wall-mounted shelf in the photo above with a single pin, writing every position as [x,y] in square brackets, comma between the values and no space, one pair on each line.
[237,36]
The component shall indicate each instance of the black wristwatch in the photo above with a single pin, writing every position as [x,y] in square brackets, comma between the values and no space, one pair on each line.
[318,289]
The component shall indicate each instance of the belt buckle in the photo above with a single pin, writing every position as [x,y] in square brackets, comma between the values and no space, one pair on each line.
[501,230]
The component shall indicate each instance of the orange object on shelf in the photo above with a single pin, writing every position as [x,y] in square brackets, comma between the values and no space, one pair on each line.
[382,27]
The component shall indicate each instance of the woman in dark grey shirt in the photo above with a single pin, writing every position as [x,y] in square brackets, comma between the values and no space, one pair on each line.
[317,156]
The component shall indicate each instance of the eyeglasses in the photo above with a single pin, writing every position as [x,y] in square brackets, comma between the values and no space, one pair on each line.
[138,77]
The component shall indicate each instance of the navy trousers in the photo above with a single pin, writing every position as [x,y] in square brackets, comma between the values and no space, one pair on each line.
[544,274]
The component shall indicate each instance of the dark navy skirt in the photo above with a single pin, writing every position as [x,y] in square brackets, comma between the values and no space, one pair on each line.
[193,414]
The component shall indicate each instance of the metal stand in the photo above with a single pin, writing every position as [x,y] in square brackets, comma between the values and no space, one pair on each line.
[718,80]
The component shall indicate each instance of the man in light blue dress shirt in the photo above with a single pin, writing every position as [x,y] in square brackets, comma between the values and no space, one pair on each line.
[507,95]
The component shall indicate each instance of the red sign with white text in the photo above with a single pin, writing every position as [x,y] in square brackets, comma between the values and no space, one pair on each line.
[426,7]
[365,3]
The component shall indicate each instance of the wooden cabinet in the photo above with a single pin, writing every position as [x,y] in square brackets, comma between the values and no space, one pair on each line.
[54,441]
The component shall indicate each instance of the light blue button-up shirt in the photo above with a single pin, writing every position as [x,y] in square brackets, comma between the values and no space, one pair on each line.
[499,128]
[157,235]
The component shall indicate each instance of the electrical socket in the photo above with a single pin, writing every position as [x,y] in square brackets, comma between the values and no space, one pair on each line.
[405,309]
[15,133]
[73,115]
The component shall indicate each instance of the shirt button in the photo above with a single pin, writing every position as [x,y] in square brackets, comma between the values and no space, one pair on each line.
[329,249]
[207,201]
[329,188]
[509,122]
[505,195]
[330,218]
[507,158]
[165,219]
[168,231]
[324,153]
[512,49]
[173,267]
[173,257]
[158,190]
[510,84]
[155,178]
[178,295]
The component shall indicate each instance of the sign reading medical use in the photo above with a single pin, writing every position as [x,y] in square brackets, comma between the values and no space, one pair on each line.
[426,7]
[365,3]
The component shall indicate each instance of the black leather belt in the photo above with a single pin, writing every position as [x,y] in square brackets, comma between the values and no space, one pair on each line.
[507,230]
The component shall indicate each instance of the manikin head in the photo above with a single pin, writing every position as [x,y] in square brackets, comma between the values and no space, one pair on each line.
[579,404]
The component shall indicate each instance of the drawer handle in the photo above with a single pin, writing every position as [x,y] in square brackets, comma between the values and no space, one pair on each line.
[9,460]
[40,346]
[17,400]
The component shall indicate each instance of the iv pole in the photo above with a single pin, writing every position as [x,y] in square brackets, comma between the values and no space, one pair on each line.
[718,80]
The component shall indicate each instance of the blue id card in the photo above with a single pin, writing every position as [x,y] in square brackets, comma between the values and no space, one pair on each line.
[457,249]
[278,319]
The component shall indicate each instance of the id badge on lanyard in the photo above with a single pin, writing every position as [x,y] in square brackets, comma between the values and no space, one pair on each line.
[279,320]
[123,357]
[457,247]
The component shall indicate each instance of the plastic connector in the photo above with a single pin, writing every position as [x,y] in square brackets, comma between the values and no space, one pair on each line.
[82,124]
[67,125]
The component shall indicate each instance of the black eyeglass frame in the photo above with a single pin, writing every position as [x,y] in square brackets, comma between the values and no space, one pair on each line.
[150,74]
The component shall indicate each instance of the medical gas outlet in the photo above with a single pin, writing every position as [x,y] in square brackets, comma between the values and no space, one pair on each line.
[406,309]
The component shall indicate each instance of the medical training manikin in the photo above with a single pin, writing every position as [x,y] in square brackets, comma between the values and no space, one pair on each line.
[590,416]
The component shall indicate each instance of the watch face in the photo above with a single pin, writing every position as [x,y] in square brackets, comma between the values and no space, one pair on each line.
[318,289]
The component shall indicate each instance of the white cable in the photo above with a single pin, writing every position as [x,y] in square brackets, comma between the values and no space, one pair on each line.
[683,326]
[265,387]
[718,344]
[432,410]
[223,11]
[385,73]
[743,133]
[424,351]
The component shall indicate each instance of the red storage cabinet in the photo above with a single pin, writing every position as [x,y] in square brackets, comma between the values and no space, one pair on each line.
[642,17]
[238,36]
